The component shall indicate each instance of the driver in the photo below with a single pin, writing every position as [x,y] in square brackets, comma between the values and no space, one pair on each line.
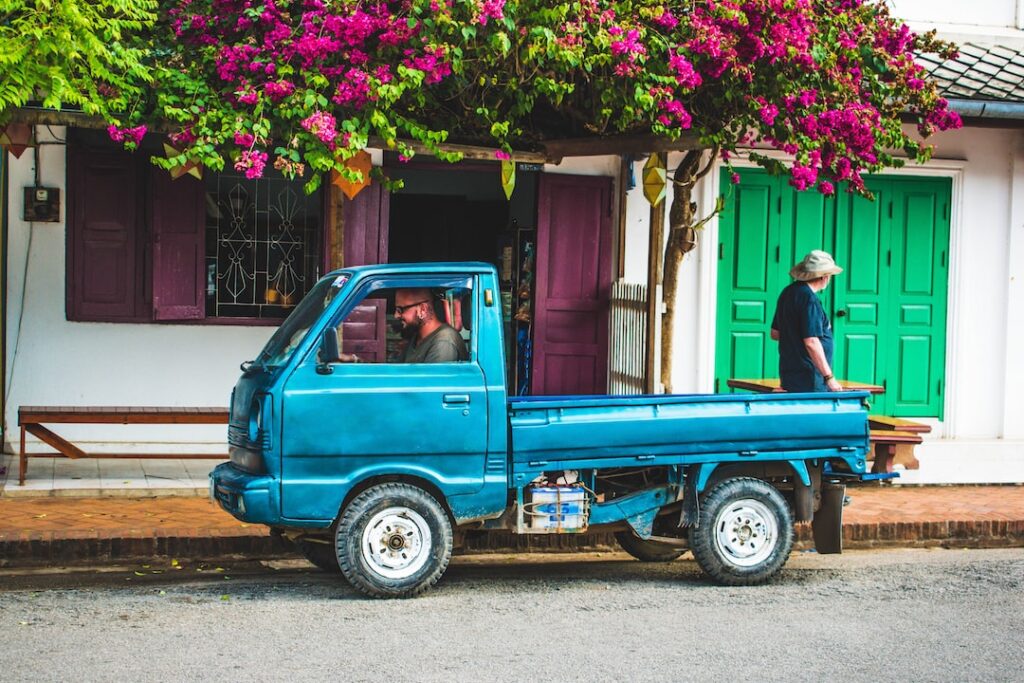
[430,340]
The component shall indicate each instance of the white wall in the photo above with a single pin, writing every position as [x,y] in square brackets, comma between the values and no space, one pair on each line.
[686,377]
[991,13]
[51,361]
[985,22]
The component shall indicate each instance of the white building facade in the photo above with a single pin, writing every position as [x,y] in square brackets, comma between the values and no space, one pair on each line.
[978,436]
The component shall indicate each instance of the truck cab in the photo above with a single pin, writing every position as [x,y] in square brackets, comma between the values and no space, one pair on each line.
[315,427]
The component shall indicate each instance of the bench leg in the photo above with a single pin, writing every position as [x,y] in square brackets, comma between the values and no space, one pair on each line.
[884,456]
[22,459]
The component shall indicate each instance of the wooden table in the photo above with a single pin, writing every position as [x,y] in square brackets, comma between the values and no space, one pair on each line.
[32,418]
[773,384]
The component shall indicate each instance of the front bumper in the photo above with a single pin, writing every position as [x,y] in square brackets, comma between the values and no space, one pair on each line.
[248,497]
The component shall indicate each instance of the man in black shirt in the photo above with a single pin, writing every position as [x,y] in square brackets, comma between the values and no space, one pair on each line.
[803,330]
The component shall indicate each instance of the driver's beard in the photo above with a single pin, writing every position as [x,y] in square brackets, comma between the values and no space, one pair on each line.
[407,331]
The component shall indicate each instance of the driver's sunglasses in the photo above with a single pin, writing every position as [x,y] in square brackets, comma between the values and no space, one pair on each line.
[402,309]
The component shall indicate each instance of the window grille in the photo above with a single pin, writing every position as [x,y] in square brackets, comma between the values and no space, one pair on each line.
[263,245]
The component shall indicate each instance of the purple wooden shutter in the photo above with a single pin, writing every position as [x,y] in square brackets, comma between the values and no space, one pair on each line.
[366,242]
[179,249]
[573,283]
[104,275]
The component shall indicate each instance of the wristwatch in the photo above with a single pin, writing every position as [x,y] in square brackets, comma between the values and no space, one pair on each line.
[828,377]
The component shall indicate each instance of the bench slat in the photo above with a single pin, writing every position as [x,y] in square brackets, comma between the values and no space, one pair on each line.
[898,424]
[121,415]
[894,436]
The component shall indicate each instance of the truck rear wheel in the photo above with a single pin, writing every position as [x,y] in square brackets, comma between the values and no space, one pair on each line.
[647,550]
[745,533]
[393,541]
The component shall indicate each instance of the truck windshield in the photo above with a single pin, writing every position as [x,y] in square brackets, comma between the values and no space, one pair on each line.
[293,330]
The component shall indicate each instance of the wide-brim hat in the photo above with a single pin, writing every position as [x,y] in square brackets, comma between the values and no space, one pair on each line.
[816,264]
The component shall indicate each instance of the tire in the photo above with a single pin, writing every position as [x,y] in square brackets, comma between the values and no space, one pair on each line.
[393,541]
[647,551]
[320,554]
[745,533]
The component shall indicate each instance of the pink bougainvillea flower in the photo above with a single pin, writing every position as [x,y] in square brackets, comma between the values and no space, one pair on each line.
[323,125]
[252,163]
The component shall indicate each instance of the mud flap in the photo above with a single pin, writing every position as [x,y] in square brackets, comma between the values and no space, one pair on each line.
[827,526]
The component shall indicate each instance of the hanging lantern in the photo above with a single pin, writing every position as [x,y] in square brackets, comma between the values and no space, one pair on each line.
[192,168]
[361,162]
[16,138]
[655,177]
[508,177]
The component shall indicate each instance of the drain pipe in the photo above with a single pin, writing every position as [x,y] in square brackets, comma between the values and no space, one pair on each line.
[986,109]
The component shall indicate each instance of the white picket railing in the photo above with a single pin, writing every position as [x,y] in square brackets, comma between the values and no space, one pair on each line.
[628,338]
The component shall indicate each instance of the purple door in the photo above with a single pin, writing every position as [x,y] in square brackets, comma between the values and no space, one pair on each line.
[574,236]
[179,250]
[366,243]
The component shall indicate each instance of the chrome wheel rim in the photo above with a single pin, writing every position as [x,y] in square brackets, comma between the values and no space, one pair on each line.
[746,532]
[396,543]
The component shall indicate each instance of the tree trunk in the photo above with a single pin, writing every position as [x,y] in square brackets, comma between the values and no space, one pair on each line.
[682,238]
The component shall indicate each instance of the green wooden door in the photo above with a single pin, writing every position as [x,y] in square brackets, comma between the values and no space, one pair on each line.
[859,320]
[888,307]
[917,297]
[748,271]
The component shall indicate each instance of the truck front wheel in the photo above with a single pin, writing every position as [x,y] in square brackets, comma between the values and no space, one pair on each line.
[393,541]
[745,533]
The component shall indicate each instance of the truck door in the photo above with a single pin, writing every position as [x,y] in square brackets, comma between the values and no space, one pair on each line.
[362,419]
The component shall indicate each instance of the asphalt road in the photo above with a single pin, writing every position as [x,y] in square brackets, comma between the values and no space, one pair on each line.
[909,615]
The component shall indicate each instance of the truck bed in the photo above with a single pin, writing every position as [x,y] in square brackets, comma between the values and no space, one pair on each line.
[576,432]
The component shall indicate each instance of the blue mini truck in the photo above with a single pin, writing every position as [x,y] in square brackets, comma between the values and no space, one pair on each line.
[377,469]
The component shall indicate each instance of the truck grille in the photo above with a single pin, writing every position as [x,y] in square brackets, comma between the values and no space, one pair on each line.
[238,436]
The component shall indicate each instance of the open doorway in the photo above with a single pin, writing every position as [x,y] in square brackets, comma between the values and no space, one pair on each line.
[446,213]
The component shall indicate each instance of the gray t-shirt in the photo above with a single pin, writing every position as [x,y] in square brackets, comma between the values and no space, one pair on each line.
[443,345]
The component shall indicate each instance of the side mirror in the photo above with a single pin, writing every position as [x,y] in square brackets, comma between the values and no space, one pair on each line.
[329,352]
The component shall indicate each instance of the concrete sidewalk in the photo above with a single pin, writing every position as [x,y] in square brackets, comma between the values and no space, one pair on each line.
[69,530]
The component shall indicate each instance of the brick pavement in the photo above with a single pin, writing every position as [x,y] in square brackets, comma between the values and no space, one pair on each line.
[57,530]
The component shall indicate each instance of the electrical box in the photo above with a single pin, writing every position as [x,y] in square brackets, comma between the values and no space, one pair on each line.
[42,204]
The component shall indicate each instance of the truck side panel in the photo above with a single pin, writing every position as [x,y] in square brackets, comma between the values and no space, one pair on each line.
[646,428]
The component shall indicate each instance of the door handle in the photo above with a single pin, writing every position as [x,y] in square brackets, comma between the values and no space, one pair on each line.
[841,313]
[455,399]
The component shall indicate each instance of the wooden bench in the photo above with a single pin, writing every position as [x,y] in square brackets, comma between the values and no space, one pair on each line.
[893,440]
[32,418]
[773,385]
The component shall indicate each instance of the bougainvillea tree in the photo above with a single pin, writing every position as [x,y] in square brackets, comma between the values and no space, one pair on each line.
[291,82]
[301,85]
